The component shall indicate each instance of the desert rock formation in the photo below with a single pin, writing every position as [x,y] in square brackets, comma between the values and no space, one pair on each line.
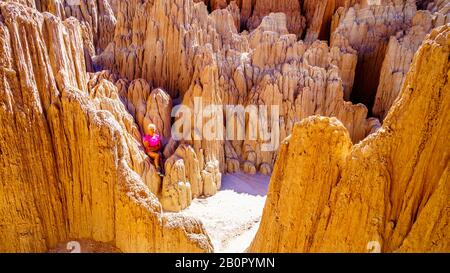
[70,169]
[308,18]
[97,21]
[367,29]
[267,66]
[81,81]
[319,15]
[252,12]
[96,16]
[391,189]
[399,55]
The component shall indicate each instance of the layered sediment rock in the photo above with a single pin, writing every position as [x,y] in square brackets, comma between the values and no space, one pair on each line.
[390,191]
[399,55]
[71,166]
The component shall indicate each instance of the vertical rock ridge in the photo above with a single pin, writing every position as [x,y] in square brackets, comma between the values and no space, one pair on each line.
[69,164]
[390,190]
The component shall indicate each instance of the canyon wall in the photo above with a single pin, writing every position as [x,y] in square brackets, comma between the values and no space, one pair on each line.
[367,30]
[72,166]
[97,21]
[389,191]
[399,55]
[319,15]
[252,12]
[205,56]
[308,19]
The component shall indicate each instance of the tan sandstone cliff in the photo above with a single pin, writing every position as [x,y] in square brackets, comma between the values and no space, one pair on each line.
[206,56]
[367,30]
[399,55]
[70,165]
[97,21]
[391,190]
[319,15]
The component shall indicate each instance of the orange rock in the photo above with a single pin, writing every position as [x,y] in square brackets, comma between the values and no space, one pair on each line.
[71,166]
[390,191]
[366,29]
[399,56]
[319,15]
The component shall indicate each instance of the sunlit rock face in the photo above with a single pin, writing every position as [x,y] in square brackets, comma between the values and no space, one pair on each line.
[319,15]
[83,79]
[97,21]
[367,29]
[251,13]
[206,57]
[389,193]
[399,55]
[71,165]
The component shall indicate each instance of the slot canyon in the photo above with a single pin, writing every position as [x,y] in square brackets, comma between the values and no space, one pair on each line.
[290,126]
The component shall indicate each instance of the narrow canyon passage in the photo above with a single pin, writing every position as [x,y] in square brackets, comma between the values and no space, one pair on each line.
[231,217]
[342,104]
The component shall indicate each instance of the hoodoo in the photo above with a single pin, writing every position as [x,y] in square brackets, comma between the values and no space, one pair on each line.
[156,126]
[391,189]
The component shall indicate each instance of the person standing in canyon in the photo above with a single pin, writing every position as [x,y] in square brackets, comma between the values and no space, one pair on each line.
[152,144]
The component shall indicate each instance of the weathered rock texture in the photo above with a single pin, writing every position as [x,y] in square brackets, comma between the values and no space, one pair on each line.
[70,164]
[252,12]
[291,8]
[315,24]
[178,46]
[392,189]
[434,5]
[399,56]
[367,30]
[190,172]
[185,180]
[96,16]
[319,15]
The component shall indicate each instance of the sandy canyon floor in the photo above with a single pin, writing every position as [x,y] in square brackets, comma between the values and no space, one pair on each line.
[232,216]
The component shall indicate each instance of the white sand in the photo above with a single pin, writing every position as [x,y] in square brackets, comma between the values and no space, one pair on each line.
[232,216]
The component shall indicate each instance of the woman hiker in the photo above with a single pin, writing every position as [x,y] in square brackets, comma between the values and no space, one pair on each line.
[152,144]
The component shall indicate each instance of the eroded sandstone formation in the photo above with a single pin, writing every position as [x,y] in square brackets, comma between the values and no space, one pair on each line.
[310,19]
[399,55]
[367,29]
[291,8]
[389,191]
[319,15]
[252,12]
[96,16]
[206,57]
[78,171]
[72,166]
